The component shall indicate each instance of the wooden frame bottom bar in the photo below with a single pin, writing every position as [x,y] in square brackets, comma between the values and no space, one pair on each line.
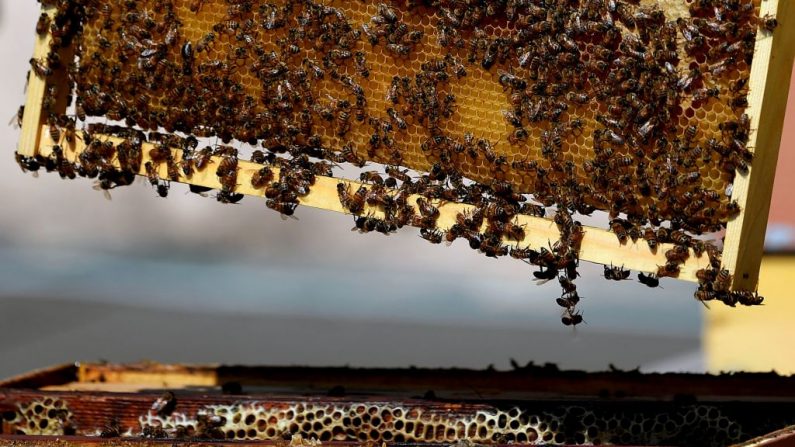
[598,245]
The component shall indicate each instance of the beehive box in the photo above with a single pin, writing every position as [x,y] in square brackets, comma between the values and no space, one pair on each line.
[651,111]
[110,404]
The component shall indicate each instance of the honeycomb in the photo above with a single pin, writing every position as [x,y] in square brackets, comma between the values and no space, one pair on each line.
[236,69]
[385,422]
[46,417]
[404,422]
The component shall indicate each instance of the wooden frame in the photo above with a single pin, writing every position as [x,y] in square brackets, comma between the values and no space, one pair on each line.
[94,395]
[767,102]
[743,245]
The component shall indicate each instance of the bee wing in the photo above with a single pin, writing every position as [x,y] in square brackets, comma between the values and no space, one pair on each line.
[105,192]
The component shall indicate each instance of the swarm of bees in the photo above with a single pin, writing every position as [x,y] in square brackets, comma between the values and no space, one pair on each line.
[300,80]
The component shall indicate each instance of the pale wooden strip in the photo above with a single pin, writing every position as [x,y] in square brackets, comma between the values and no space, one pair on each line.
[769,86]
[599,245]
[36,89]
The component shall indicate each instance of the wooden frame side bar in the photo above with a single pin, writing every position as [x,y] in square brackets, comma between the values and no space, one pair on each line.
[598,245]
[767,99]
[33,119]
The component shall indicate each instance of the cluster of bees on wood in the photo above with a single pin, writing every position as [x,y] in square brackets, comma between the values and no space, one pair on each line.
[561,55]
[207,426]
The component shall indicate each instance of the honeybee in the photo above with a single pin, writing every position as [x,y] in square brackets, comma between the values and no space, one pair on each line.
[651,238]
[767,22]
[208,426]
[349,155]
[229,197]
[393,90]
[432,236]
[203,158]
[352,202]
[748,298]
[493,248]
[27,163]
[513,118]
[570,318]
[385,14]
[165,404]
[704,295]
[54,130]
[361,64]
[649,280]
[154,432]
[262,177]
[510,80]
[567,285]
[399,122]
[426,209]
[40,68]
[545,273]
[568,300]
[615,273]
[64,167]
[617,227]
[286,209]
[112,429]
[739,85]
[720,68]
[704,94]
[722,281]
[371,177]
[43,24]
[206,40]
[227,173]
[396,173]
[678,253]
[670,269]
[514,231]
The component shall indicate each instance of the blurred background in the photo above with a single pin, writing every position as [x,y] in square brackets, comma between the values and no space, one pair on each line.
[185,279]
